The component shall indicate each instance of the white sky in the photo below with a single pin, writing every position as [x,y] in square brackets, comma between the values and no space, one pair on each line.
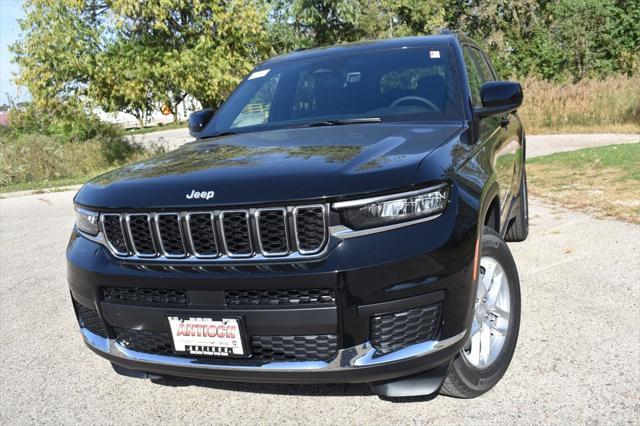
[10,12]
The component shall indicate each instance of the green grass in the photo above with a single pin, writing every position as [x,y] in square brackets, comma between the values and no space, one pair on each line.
[156,128]
[625,157]
[45,184]
[605,180]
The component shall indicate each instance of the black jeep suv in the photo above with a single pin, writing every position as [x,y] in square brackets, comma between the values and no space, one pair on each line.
[341,218]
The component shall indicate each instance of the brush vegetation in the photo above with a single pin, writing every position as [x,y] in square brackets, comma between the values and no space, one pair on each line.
[604,105]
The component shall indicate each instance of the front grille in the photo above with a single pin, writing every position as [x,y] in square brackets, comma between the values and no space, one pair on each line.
[90,320]
[200,228]
[294,347]
[391,332]
[235,233]
[314,347]
[141,234]
[309,228]
[145,296]
[151,342]
[114,233]
[171,242]
[270,232]
[279,297]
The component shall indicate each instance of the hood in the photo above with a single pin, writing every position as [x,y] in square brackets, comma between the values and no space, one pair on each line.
[272,167]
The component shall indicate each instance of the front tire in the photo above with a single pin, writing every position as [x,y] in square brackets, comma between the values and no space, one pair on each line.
[480,365]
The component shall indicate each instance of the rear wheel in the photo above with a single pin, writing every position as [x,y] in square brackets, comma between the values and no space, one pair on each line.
[519,228]
[494,329]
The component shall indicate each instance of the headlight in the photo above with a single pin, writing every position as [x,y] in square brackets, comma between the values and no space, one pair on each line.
[388,209]
[87,221]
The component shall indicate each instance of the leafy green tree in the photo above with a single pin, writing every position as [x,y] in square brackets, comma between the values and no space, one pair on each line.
[201,47]
[56,55]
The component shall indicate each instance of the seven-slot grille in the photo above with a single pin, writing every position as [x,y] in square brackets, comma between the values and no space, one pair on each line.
[245,233]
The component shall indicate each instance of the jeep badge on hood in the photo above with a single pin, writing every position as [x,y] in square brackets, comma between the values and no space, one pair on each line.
[205,195]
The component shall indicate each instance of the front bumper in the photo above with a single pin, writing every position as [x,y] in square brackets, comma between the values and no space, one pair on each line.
[370,275]
[355,364]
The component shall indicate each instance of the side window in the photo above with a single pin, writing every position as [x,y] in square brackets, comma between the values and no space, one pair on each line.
[257,109]
[475,79]
[483,66]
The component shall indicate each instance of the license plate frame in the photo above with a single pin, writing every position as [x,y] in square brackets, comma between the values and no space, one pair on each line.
[205,345]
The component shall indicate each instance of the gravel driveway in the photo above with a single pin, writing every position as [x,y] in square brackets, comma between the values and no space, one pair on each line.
[577,358]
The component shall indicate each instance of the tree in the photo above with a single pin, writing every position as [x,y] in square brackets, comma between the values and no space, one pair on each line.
[203,47]
[56,56]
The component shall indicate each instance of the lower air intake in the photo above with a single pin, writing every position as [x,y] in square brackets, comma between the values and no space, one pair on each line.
[391,332]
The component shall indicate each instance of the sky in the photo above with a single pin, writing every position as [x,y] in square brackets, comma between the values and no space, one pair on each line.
[10,12]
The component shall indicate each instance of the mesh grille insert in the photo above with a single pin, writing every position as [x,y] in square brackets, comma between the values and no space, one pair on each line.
[294,347]
[151,342]
[314,347]
[90,320]
[113,232]
[279,297]
[273,231]
[141,234]
[202,234]
[310,228]
[391,332]
[235,225]
[170,235]
[145,296]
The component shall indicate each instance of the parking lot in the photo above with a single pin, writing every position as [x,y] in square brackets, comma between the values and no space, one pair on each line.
[577,360]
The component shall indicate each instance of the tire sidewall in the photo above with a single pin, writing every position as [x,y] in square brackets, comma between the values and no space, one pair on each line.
[481,380]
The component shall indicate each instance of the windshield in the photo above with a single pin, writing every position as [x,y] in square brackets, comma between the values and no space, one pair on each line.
[411,84]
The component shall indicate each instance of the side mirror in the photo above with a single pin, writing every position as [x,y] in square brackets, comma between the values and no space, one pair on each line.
[499,97]
[198,120]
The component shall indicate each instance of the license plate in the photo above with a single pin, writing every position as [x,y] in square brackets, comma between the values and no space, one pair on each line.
[219,337]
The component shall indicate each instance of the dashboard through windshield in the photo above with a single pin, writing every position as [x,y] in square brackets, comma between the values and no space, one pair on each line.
[417,84]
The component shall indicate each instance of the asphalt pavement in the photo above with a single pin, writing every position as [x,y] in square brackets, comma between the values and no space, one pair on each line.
[577,359]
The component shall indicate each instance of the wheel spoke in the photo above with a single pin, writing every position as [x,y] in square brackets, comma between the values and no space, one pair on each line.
[500,327]
[489,269]
[499,312]
[494,290]
[485,344]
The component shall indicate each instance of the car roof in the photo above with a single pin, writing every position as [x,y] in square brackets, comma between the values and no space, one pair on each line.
[446,38]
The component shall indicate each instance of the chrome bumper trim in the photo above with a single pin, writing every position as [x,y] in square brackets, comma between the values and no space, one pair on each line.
[350,358]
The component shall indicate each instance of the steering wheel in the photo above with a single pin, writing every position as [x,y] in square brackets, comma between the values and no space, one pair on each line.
[415,98]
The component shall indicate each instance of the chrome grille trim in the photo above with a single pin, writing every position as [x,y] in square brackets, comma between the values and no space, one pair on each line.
[325,220]
[158,235]
[127,219]
[224,236]
[253,220]
[123,235]
[256,216]
[192,247]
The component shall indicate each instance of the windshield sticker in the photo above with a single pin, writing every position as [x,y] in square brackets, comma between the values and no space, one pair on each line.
[259,74]
[434,54]
[353,77]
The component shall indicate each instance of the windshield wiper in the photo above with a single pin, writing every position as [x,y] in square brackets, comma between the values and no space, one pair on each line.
[343,121]
[224,133]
